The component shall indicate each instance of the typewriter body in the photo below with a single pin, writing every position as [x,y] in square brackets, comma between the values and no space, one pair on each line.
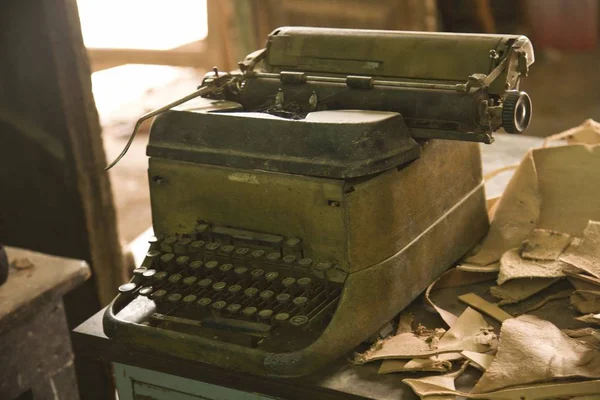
[308,197]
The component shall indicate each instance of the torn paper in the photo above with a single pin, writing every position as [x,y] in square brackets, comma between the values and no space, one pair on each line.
[437,385]
[545,245]
[590,319]
[466,267]
[555,188]
[586,255]
[533,350]
[485,307]
[478,360]
[470,332]
[517,290]
[513,266]
[586,301]
[389,366]
[587,133]
[590,336]
[563,294]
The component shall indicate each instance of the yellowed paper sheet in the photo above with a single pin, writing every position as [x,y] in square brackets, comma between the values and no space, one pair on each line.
[485,307]
[517,290]
[586,133]
[586,301]
[586,255]
[549,355]
[513,266]
[545,245]
[478,360]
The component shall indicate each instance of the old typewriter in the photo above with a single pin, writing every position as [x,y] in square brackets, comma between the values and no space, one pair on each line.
[300,202]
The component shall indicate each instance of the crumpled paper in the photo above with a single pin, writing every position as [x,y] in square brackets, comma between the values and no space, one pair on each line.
[585,255]
[533,350]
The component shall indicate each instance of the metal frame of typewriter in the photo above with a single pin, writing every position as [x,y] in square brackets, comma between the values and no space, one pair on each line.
[371,223]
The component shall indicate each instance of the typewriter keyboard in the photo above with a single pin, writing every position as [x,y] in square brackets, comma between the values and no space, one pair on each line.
[238,286]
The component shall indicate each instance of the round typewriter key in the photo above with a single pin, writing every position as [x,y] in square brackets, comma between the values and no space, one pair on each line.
[242,251]
[175,278]
[189,280]
[161,276]
[257,273]
[202,228]
[196,246]
[174,297]
[300,301]
[204,283]
[283,298]
[219,305]
[190,298]
[240,271]
[273,257]
[289,259]
[298,320]
[234,289]
[234,308]
[139,271]
[167,244]
[204,302]
[292,242]
[149,273]
[219,286]
[304,282]
[271,276]
[282,317]
[228,249]
[158,295]
[225,268]
[265,314]
[182,261]
[153,240]
[150,260]
[212,246]
[266,295]
[251,291]
[166,259]
[127,287]
[305,262]
[288,282]
[146,290]
[195,266]
[211,265]
[258,254]
[249,312]
[323,266]
[182,245]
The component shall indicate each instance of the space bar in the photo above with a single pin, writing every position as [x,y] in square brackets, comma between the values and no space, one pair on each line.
[247,327]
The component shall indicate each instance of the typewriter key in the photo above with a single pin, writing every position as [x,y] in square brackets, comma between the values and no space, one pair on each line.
[288,283]
[167,244]
[219,305]
[234,289]
[282,317]
[271,277]
[283,298]
[305,262]
[161,277]
[265,315]
[241,252]
[158,295]
[146,290]
[234,308]
[139,271]
[217,287]
[174,297]
[175,278]
[195,266]
[289,260]
[212,247]
[204,283]
[227,250]
[149,273]
[251,292]
[127,287]
[166,259]
[189,299]
[257,273]
[240,272]
[226,268]
[293,242]
[300,302]
[196,246]
[153,242]
[150,260]
[258,254]
[266,295]
[273,257]
[298,320]
[211,266]
[304,283]
[249,312]
[202,228]
[181,262]
[189,280]
[182,245]
[204,302]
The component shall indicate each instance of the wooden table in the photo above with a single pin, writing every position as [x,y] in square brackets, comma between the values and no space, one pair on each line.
[36,356]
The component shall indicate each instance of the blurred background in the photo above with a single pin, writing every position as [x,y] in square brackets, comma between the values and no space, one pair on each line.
[144,53]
